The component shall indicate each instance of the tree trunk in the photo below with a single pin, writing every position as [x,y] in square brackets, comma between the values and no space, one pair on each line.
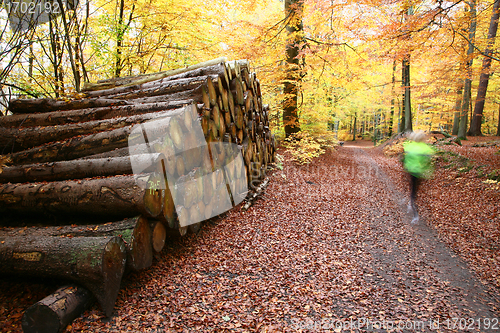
[119,196]
[475,127]
[405,72]
[78,169]
[498,127]
[54,118]
[97,263]
[393,101]
[58,310]
[295,29]
[354,127]
[457,107]
[466,102]
[42,105]
[120,31]
[406,96]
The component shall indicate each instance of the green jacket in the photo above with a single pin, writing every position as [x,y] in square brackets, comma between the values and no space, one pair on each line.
[417,158]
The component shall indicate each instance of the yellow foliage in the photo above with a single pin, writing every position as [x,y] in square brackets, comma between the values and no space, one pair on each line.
[304,147]
[395,148]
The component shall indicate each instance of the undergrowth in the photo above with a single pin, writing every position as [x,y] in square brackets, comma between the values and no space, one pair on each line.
[304,147]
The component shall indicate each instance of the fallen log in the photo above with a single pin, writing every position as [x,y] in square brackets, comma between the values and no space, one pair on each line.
[18,139]
[101,142]
[104,86]
[74,148]
[82,115]
[135,232]
[159,88]
[48,105]
[82,168]
[56,311]
[118,196]
[97,263]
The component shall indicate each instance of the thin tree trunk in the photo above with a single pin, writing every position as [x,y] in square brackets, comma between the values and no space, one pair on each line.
[457,107]
[406,96]
[354,126]
[405,72]
[74,68]
[477,117]
[466,102]
[119,40]
[498,127]
[393,101]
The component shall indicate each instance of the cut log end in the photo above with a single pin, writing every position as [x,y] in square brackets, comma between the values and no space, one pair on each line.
[140,253]
[152,196]
[158,235]
[115,257]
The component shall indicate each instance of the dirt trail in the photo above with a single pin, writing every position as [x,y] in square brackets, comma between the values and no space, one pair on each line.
[329,247]
[411,252]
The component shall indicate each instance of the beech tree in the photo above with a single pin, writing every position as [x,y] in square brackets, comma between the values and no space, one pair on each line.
[295,29]
[477,117]
[466,100]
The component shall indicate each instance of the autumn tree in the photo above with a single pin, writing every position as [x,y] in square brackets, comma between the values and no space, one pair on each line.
[295,29]
[405,81]
[475,127]
[466,99]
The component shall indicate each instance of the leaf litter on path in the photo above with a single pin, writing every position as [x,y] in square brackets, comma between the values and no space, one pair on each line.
[328,244]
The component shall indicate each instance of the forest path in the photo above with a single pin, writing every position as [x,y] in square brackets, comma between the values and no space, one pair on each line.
[329,246]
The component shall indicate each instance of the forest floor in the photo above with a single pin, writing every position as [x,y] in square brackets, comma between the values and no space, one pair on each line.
[328,247]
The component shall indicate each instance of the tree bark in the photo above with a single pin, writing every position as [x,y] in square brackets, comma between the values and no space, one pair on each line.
[42,105]
[406,96]
[457,107]
[393,101]
[466,101]
[119,196]
[78,169]
[18,139]
[75,147]
[56,311]
[354,126]
[295,29]
[155,88]
[98,263]
[135,232]
[498,127]
[104,87]
[84,115]
[475,127]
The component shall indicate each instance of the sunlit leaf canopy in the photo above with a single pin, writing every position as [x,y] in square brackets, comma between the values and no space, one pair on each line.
[348,53]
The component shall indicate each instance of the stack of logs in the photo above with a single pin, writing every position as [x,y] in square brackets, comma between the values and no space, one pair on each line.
[67,162]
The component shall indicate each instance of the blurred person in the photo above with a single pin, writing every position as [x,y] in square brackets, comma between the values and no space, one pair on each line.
[417,162]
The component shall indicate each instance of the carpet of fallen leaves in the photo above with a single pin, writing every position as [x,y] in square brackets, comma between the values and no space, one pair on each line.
[328,243]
